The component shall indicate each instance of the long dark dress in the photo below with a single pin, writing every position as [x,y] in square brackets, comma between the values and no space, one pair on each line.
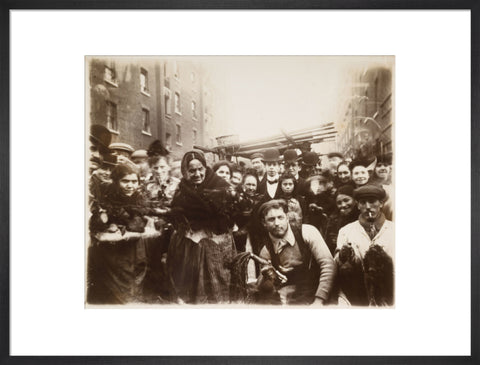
[202,247]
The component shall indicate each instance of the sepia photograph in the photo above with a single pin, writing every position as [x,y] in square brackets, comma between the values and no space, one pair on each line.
[248,181]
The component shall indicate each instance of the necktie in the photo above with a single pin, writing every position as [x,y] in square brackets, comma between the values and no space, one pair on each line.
[281,245]
[272,182]
[372,232]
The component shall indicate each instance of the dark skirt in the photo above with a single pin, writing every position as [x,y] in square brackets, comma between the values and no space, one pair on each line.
[116,272]
[200,272]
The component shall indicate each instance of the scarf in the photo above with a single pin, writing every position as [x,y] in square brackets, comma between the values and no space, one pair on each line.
[206,206]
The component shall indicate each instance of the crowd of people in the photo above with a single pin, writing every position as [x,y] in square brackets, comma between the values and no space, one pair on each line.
[281,229]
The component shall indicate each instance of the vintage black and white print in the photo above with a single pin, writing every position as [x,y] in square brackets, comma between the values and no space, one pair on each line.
[240,181]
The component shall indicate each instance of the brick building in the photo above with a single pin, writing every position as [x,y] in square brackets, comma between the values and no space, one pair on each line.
[143,99]
[366,125]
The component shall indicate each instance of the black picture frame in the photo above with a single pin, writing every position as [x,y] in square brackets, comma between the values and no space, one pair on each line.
[6,6]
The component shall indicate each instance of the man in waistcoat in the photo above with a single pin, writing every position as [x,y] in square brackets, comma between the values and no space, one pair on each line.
[300,256]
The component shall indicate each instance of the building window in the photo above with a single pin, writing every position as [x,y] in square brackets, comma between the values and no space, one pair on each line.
[178,134]
[146,121]
[110,75]
[176,72]
[177,104]
[112,116]
[144,81]
[168,101]
[165,66]
[194,109]
[193,77]
[205,118]
[194,137]
[168,141]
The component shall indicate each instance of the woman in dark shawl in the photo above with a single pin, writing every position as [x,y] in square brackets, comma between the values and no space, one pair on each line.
[117,261]
[202,246]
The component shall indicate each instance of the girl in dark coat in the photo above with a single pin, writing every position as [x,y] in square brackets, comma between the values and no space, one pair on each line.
[202,246]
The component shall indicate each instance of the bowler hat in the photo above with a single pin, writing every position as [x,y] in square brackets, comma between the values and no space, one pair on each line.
[310,159]
[100,136]
[290,156]
[370,191]
[271,155]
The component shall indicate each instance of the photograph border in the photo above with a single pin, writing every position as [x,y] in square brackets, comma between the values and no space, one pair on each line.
[226,5]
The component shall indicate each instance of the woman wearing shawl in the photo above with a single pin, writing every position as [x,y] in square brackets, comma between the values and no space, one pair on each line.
[202,246]
[117,261]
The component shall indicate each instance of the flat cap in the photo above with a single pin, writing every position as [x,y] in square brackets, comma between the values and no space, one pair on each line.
[256,155]
[370,191]
[140,154]
[121,147]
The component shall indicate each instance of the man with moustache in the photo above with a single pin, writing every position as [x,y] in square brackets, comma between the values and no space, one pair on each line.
[269,186]
[292,166]
[299,255]
[371,227]
[257,164]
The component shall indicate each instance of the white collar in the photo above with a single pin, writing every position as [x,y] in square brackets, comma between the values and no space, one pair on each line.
[270,178]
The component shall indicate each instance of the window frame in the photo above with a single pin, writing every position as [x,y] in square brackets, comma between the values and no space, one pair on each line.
[111,81]
[144,89]
[144,131]
[179,111]
[114,126]
[178,128]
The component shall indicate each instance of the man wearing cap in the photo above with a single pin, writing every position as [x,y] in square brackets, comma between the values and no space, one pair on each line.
[269,186]
[309,161]
[291,165]
[140,158]
[371,227]
[257,164]
[299,255]
[121,149]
